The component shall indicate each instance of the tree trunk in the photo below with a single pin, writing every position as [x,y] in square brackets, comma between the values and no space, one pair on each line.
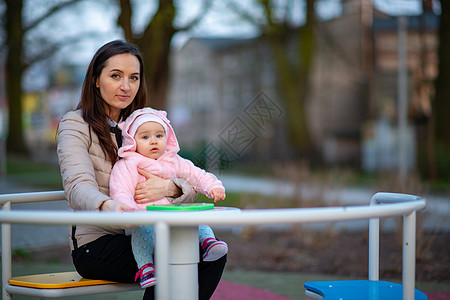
[154,44]
[292,91]
[442,99]
[14,70]
[294,80]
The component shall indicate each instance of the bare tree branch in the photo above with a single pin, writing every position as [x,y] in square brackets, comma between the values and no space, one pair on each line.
[268,11]
[198,18]
[54,47]
[50,12]
[242,13]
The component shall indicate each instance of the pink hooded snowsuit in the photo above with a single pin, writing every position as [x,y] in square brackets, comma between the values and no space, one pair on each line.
[125,176]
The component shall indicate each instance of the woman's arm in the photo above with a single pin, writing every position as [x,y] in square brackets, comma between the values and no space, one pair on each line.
[188,193]
[155,188]
[77,168]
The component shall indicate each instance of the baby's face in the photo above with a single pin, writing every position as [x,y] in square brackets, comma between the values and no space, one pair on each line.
[151,140]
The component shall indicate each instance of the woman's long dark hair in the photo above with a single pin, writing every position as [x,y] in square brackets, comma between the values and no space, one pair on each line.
[92,104]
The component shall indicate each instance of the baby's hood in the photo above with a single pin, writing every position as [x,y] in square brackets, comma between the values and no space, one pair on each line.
[128,141]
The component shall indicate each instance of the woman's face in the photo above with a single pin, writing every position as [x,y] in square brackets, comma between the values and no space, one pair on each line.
[118,83]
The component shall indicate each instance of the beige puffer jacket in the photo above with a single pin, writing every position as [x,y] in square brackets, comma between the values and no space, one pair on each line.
[85,173]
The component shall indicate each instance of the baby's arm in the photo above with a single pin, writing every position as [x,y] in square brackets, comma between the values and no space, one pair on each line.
[202,181]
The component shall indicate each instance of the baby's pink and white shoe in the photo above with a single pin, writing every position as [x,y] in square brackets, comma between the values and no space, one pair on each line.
[213,249]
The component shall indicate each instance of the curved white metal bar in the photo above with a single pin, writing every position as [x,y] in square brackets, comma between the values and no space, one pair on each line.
[381,197]
[219,217]
[32,197]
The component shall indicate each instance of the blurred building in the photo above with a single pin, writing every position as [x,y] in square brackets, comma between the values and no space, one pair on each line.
[352,109]
[381,151]
[222,95]
[43,108]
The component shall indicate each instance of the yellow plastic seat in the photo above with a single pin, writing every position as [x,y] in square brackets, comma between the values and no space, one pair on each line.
[55,281]
[56,285]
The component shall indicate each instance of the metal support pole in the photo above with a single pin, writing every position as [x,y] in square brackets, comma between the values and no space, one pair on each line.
[402,96]
[183,262]
[374,249]
[6,254]
[409,255]
[162,245]
[177,257]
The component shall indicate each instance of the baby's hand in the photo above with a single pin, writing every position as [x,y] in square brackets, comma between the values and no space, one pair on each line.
[217,194]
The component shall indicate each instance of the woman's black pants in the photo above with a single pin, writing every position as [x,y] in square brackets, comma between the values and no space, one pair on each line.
[110,258]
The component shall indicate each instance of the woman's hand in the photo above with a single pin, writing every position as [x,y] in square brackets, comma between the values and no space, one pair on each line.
[111,205]
[154,188]
[217,194]
[115,206]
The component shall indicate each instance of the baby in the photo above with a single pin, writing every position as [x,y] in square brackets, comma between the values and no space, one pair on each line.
[149,143]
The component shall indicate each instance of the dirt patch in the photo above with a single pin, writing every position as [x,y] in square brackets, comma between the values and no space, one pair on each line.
[328,252]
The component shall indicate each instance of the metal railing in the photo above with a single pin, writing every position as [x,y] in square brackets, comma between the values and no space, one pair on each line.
[397,205]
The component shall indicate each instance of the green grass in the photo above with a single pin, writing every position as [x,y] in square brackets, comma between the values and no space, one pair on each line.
[20,165]
[285,284]
[250,201]
[45,175]
[232,200]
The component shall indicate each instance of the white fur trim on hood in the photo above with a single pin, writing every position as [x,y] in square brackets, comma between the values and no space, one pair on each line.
[144,119]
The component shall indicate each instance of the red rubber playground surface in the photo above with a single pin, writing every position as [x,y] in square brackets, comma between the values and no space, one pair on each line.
[234,291]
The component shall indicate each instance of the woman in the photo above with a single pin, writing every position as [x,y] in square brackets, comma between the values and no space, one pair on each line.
[88,139]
